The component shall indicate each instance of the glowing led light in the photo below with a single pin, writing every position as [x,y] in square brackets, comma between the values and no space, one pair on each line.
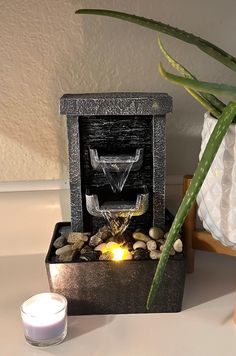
[118,254]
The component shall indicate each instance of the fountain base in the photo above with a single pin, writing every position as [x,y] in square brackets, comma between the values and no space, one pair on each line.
[110,287]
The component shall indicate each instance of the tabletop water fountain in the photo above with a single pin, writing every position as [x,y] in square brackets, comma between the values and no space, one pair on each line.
[105,259]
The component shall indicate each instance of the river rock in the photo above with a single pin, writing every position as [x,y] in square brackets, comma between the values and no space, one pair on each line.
[151,245]
[106,256]
[76,256]
[161,247]
[60,242]
[90,256]
[141,237]
[74,237]
[66,257]
[110,245]
[86,248]
[139,244]
[64,249]
[78,245]
[104,232]
[84,258]
[156,233]
[160,242]
[128,256]
[141,254]
[178,245]
[95,240]
[155,255]
[102,247]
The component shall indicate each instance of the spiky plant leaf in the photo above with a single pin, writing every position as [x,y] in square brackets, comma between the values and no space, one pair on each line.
[205,103]
[203,166]
[216,104]
[200,97]
[213,88]
[176,65]
[205,46]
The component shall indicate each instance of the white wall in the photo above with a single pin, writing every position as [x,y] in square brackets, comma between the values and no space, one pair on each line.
[28,218]
[46,51]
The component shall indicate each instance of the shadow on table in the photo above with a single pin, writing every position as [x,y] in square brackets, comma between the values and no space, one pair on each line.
[214,277]
[79,325]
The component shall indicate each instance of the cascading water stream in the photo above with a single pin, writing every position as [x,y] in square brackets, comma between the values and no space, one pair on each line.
[117,173]
[118,221]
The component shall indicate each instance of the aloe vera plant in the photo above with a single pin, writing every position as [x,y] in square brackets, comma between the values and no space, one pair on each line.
[204,93]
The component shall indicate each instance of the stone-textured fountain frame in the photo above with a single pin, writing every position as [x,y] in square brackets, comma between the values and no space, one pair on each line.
[156,105]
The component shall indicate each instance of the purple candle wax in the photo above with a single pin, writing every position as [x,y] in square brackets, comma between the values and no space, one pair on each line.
[44,317]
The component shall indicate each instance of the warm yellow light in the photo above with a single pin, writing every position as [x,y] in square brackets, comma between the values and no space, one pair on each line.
[118,254]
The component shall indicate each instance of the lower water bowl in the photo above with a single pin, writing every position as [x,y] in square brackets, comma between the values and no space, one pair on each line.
[110,287]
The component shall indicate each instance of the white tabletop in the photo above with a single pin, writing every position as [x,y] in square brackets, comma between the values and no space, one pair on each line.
[203,328]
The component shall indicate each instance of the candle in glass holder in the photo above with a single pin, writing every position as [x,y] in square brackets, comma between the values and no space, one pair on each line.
[44,318]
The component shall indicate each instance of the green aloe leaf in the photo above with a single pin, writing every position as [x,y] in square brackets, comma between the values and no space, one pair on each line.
[205,103]
[200,97]
[213,88]
[205,46]
[213,101]
[203,166]
[176,65]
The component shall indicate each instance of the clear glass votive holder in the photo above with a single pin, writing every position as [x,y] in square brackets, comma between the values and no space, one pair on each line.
[44,318]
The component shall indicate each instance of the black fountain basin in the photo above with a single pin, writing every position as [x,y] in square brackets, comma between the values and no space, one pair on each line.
[110,287]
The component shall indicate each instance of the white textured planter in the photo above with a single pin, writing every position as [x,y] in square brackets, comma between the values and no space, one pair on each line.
[217,197]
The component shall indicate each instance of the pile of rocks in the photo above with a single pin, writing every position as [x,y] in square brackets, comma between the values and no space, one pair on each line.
[82,247]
